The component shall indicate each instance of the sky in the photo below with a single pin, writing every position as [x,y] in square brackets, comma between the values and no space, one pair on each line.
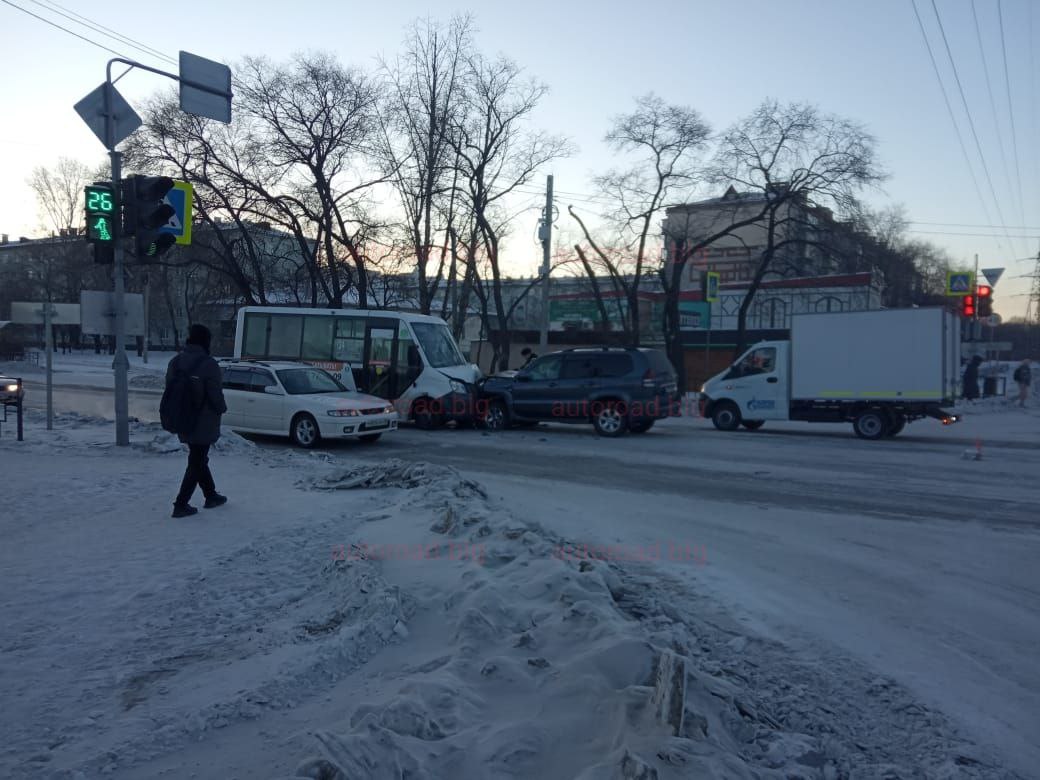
[865,61]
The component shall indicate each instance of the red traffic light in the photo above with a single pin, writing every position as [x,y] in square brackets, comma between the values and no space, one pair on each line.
[968,306]
[985,291]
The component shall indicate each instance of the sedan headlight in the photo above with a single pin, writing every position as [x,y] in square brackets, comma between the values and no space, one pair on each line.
[12,388]
[389,409]
[457,386]
[344,413]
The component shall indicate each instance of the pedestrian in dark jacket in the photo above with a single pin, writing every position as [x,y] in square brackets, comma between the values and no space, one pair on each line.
[209,395]
[971,379]
[528,354]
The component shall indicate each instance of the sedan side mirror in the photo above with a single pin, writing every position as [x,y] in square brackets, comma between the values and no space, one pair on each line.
[273,390]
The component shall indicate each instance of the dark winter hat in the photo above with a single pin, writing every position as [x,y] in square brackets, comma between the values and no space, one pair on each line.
[199,335]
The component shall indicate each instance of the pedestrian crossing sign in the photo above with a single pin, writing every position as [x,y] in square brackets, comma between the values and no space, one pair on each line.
[179,225]
[959,282]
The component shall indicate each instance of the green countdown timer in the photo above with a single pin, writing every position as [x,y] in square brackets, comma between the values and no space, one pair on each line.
[100,213]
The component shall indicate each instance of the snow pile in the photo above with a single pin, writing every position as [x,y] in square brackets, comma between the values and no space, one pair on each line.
[150,381]
[529,663]
[394,473]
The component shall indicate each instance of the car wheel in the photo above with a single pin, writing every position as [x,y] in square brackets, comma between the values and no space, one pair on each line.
[726,416]
[495,417]
[370,437]
[304,431]
[641,427]
[610,420]
[752,425]
[870,424]
[425,415]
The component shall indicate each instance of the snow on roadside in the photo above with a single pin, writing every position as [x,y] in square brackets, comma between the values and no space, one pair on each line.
[522,660]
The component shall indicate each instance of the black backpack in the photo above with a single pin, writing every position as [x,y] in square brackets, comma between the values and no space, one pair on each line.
[182,400]
[1020,374]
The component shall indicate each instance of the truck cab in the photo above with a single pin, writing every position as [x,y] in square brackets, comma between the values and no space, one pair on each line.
[754,389]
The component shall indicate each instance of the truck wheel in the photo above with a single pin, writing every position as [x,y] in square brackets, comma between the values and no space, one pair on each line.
[753,425]
[726,416]
[871,424]
[896,423]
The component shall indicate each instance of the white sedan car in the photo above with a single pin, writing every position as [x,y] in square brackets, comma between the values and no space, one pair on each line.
[305,402]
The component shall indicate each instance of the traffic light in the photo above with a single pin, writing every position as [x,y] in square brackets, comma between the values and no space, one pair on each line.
[985,293]
[101,216]
[144,215]
[968,306]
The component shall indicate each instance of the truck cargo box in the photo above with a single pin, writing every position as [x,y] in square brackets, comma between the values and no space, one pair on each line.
[885,355]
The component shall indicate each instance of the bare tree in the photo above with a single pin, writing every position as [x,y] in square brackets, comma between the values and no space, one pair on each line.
[664,142]
[425,97]
[797,160]
[59,193]
[496,154]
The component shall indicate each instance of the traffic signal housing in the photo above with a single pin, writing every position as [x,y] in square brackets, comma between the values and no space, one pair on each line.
[968,306]
[99,205]
[985,304]
[145,214]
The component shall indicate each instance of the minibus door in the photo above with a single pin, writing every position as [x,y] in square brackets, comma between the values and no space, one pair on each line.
[380,368]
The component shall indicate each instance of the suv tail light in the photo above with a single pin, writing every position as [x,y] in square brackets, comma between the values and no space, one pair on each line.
[648,378]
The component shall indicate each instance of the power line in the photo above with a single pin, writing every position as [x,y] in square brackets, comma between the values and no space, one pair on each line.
[96,27]
[992,101]
[975,235]
[1011,111]
[64,29]
[971,121]
[973,225]
[953,117]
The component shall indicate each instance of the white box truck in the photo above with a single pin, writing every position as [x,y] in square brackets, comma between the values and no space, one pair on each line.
[878,370]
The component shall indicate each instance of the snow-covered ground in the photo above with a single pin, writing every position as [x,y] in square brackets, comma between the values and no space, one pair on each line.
[685,603]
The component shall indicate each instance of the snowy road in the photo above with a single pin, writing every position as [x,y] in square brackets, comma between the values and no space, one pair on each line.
[903,553]
[867,562]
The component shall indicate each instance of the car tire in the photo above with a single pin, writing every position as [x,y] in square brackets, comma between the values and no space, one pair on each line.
[640,427]
[370,438]
[610,420]
[495,417]
[871,425]
[752,425]
[726,416]
[304,431]
[896,423]
[425,416]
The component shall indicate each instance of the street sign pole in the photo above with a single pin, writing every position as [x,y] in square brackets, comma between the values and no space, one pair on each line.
[48,341]
[120,363]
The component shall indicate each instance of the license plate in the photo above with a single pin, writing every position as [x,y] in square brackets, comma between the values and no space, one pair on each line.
[374,426]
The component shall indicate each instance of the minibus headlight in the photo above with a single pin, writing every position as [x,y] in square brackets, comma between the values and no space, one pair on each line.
[457,386]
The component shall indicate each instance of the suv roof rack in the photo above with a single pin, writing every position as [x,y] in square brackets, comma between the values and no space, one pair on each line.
[597,349]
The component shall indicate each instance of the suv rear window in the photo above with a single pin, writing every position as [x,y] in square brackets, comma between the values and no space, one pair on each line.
[614,365]
[659,362]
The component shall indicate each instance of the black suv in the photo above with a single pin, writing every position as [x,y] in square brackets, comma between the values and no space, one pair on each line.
[613,388]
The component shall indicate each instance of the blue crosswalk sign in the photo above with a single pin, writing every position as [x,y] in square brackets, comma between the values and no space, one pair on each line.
[959,282]
[180,198]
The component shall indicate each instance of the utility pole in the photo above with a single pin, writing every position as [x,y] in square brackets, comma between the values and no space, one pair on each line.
[144,346]
[545,234]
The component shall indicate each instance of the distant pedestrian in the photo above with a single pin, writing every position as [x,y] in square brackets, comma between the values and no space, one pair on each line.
[205,383]
[1024,377]
[971,379]
[529,355]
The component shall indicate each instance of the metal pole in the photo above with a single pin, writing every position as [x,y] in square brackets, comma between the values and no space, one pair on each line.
[543,340]
[48,338]
[120,362]
[707,346]
[146,322]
